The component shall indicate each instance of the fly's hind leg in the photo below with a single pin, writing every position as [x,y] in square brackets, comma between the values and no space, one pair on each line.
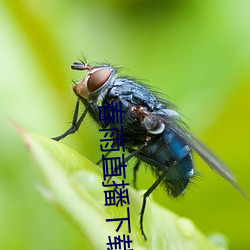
[145,196]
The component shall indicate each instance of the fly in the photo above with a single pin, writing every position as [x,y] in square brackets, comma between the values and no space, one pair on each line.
[153,130]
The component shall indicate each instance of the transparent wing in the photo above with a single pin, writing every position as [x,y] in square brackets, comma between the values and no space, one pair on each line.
[208,156]
[175,124]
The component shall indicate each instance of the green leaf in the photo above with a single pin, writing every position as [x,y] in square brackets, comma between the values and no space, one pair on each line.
[74,186]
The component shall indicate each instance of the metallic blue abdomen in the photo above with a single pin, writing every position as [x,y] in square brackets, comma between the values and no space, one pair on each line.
[172,155]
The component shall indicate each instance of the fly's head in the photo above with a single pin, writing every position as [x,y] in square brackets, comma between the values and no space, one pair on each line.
[96,79]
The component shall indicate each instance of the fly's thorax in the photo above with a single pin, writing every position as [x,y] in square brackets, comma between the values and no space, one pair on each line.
[95,84]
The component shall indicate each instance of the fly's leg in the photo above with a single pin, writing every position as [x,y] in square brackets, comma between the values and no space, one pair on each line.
[104,156]
[145,196]
[109,179]
[136,167]
[75,123]
[133,153]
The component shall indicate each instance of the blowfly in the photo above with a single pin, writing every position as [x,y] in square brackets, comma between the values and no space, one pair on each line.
[153,130]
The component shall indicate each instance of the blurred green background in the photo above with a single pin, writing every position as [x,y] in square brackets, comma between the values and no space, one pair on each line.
[196,53]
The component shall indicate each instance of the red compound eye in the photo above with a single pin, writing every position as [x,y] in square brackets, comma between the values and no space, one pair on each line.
[97,79]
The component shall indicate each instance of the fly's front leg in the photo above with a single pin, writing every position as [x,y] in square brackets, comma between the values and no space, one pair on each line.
[145,196]
[75,123]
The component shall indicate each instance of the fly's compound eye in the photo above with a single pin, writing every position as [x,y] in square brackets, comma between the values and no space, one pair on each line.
[97,79]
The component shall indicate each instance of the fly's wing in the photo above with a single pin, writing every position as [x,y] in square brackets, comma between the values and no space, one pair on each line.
[175,124]
[212,160]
